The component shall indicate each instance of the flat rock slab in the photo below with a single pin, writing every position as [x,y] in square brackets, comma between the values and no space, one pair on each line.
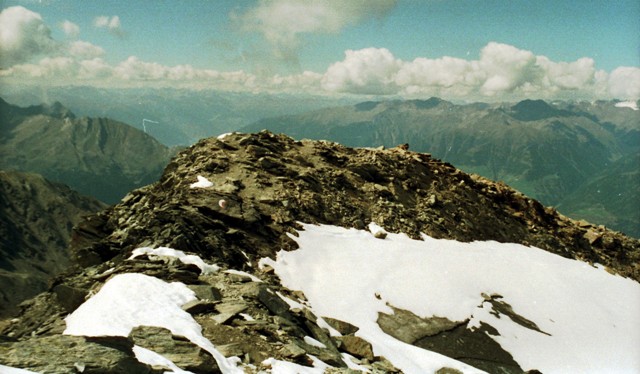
[344,328]
[199,306]
[178,349]
[63,354]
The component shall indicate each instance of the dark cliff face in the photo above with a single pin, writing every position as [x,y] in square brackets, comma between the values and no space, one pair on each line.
[37,217]
[262,186]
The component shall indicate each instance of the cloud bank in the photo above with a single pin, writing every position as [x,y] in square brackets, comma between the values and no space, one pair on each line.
[85,50]
[502,72]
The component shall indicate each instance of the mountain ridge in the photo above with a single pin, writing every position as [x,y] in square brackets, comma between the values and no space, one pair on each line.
[546,150]
[237,200]
[96,156]
[183,116]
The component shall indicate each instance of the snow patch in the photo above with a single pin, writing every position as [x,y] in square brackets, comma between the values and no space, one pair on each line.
[313,342]
[286,367]
[292,303]
[183,257]
[10,370]
[324,325]
[152,358]
[590,317]
[247,317]
[222,136]
[350,361]
[627,104]
[201,183]
[130,300]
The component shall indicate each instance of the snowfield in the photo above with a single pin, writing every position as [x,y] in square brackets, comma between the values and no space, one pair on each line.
[589,318]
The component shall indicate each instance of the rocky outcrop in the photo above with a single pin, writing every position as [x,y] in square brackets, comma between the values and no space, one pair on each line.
[36,218]
[450,338]
[550,151]
[252,192]
[62,354]
[269,182]
[177,349]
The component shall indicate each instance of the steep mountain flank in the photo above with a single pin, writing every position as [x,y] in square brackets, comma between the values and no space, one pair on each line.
[95,156]
[237,199]
[37,217]
[615,189]
[544,150]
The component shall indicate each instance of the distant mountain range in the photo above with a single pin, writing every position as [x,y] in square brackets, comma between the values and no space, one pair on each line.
[183,116]
[579,157]
[98,157]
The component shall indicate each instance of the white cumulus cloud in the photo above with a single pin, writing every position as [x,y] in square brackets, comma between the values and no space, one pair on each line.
[28,54]
[23,36]
[134,68]
[94,69]
[112,24]
[438,76]
[366,71]
[49,67]
[624,83]
[70,29]
[306,81]
[507,68]
[568,75]
[84,50]
[283,22]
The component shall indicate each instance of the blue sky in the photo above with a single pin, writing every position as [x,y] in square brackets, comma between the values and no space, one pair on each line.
[400,44]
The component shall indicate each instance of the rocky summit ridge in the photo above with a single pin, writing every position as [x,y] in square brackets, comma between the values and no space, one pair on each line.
[555,152]
[270,182]
[262,186]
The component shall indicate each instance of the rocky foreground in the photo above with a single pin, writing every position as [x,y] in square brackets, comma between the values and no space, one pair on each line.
[262,186]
